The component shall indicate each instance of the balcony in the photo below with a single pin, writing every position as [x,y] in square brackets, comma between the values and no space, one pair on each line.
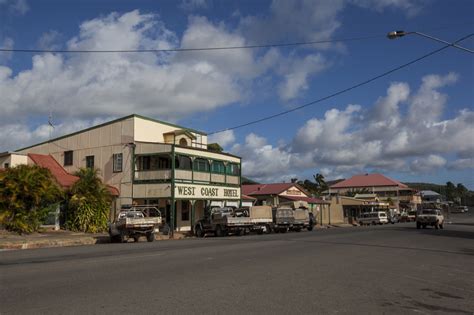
[186,176]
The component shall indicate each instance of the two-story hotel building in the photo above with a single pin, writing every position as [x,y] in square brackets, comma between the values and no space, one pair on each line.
[152,162]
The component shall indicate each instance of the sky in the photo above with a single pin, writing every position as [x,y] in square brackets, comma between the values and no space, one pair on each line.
[414,125]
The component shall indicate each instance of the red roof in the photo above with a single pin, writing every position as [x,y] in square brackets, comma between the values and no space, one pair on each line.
[368,180]
[307,199]
[266,189]
[64,179]
[245,197]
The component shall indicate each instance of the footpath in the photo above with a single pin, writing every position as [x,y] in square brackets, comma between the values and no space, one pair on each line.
[61,238]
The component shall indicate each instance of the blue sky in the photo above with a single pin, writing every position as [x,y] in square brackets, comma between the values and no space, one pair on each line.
[414,125]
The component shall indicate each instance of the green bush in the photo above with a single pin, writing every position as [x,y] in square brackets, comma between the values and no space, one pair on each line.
[89,203]
[27,194]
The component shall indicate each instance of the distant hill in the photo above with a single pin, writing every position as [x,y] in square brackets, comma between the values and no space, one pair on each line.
[440,189]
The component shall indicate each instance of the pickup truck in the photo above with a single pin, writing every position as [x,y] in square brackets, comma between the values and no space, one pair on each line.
[432,217]
[133,223]
[223,221]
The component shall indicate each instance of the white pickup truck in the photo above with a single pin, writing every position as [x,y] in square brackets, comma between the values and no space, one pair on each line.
[133,223]
[432,217]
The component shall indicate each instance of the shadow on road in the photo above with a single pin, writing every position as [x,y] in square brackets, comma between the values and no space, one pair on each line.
[445,232]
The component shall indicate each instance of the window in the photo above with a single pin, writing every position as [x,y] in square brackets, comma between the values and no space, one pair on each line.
[183,163]
[201,165]
[183,142]
[233,169]
[153,162]
[6,165]
[117,162]
[184,210]
[67,158]
[218,167]
[90,161]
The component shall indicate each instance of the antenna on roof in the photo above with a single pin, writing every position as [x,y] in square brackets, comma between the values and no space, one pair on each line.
[51,128]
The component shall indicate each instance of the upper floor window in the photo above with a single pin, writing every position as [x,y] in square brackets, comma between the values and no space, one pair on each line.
[233,169]
[183,163]
[117,162]
[90,161]
[68,158]
[183,142]
[153,162]
[201,165]
[218,167]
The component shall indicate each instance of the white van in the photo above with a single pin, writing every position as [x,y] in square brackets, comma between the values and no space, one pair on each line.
[376,217]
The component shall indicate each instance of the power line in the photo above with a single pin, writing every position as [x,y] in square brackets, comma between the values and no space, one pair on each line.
[64,51]
[191,49]
[346,89]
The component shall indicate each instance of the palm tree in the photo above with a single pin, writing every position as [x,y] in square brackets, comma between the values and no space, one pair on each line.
[89,202]
[320,183]
[27,194]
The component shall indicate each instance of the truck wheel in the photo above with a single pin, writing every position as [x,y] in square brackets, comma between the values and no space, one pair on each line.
[122,237]
[310,228]
[199,231]
[268,229]
[441,226]
[136,238]
[436,225]
[150,237]
[219,231]
[418,225]
[260,231]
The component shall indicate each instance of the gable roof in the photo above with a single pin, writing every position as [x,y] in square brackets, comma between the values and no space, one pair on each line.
[269,189]
[368,180]
[64,179]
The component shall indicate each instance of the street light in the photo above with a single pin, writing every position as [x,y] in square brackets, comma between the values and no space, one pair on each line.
[397,34]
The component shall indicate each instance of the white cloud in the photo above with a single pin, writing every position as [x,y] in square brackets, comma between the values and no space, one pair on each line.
[224,138]
[7,43]
[49,40]
[462,164]
[296,74]
[263,161]
[18,7]
[381,138]
[427,164]
[98,85]
[411,7]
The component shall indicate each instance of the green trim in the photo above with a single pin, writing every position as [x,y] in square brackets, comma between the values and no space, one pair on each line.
[172,208]
[109,123]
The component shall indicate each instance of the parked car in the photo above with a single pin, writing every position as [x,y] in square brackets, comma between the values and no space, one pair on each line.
[133,223]
[376,217]
[460,209]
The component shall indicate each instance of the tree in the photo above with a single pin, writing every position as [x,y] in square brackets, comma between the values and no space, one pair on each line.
[27,195]
[215,147]
[320,183]
[450,191]
[89,203]
[461,193]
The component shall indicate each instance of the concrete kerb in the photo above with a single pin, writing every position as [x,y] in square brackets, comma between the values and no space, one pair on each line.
[16,242]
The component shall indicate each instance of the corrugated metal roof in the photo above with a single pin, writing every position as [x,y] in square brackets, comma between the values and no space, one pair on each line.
[63,178]
[368,180]
[266,189]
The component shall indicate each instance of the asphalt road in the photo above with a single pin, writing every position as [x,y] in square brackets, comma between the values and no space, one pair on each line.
[370,270]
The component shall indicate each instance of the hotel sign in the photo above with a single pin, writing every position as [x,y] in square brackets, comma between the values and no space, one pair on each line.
[190,191]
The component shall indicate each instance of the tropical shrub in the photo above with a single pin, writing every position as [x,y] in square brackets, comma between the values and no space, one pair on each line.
[27,194]
[89,203]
